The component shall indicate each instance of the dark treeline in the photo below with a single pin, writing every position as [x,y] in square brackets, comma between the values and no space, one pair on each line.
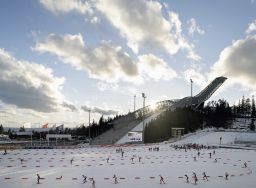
[81,132]
[213,114]
[217,113]
[160,128]
[245,108]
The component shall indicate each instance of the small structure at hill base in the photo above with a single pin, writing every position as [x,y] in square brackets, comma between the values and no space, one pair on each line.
[177,132]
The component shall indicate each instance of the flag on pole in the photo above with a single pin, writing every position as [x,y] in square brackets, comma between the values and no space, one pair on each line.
[45,126]
[54,126]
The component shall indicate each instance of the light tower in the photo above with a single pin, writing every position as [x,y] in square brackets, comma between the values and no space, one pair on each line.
[143,134]
[191,87]
[89,110]
[134,103]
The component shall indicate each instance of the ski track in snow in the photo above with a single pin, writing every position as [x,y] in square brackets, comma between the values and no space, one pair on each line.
[170,163]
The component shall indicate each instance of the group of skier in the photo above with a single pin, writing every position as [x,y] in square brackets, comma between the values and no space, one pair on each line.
[197,147]
[162,181]
[153,148]
[194,176]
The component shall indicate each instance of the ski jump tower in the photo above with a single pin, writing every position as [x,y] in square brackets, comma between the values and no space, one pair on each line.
[201,97]
[134,122]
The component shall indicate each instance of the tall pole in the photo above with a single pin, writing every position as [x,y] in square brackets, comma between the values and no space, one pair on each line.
[191,82]
[48,139]
[134,103]
[40,138]
[89,123]
[143,133]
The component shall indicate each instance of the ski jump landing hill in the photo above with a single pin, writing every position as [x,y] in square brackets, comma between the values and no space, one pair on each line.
[134,121]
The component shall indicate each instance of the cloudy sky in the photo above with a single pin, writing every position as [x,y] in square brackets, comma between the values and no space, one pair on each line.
[60,58]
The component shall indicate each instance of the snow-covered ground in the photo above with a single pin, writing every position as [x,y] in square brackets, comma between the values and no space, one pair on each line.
[241,123]
[212,137]
[170,163]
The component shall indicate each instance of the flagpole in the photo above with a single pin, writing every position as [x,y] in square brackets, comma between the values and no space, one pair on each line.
[40,138]
[48,137]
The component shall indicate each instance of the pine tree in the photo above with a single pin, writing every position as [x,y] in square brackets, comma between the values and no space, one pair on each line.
[239,107]
[253,107]
[22,129]
[248,106]
[243,106]
[1,129]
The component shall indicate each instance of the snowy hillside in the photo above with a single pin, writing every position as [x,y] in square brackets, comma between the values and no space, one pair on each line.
[210,137]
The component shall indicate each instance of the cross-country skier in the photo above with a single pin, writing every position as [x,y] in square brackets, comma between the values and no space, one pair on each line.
[21,161]
[226,175]
[59,178]
[139,159]
[210,155]
[186,178]
[38,178]
[122,154]
[204,176]
[71,161]
[245,165]
[93,182]
[195,177]
[84,180]
[161,179]
[115,178]
[107,160]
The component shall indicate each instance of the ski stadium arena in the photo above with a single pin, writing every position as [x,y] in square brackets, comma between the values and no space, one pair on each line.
[118,158]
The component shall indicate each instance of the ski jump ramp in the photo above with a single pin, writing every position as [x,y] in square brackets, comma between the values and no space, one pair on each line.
[120,137]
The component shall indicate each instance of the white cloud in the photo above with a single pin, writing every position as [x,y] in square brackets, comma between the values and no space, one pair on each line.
[237,62]
[29,85]
[196,75]
[165,5]
[194,27]
[103,86]
[64,6]
[86,108]
[143,25]
[251,27]
[104,111]
[69,106]
[95,20]
[175,23]
[155,68]
[107,63]
[99,110]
